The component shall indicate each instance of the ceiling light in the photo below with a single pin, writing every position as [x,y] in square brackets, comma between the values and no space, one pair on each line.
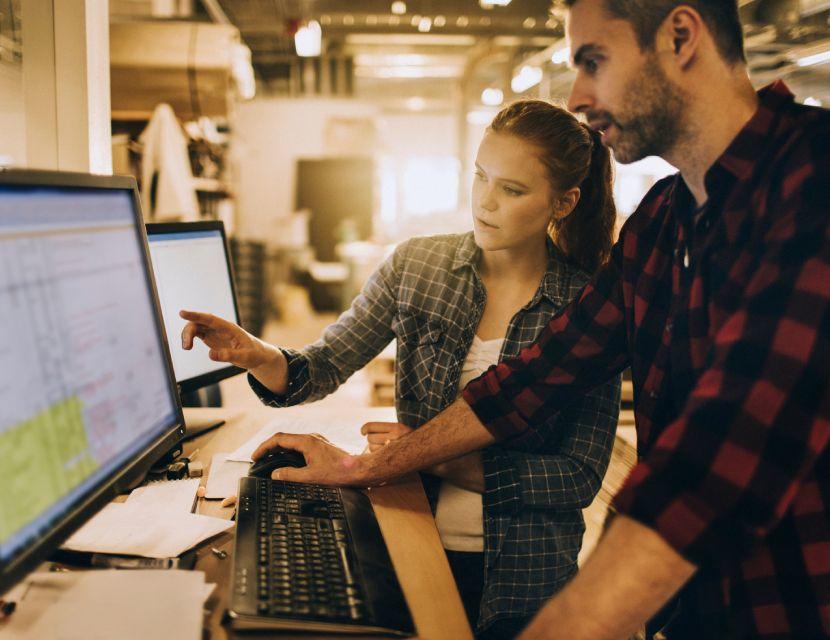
[348,19]
[308,40]
[462,21]
[439,21]
[485,21]
[371,20]
[415,20]
[526,78]
[818,58]
[416,104]
[489,4]
[480,116]
[394,21]
[492,97]
[812,102]
[399,8]
[325,20]
[529,23]
[424,25]
[561,56]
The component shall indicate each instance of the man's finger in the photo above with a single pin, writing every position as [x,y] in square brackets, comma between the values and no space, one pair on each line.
[301,443]
[375,447]
[291,474]
[191,330]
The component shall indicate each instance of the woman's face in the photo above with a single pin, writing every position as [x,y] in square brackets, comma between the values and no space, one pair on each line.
[512,197]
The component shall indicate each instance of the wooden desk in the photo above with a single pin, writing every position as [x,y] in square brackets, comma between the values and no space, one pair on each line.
[405,520]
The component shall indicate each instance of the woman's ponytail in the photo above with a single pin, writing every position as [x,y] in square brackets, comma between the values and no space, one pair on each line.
[587,233]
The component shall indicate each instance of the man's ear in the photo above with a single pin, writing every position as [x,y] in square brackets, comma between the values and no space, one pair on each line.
[681,34]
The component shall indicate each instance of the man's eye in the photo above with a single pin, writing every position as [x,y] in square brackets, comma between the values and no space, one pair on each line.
[591,65]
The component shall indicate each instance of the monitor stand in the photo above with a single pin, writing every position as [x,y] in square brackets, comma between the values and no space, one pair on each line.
[197,420]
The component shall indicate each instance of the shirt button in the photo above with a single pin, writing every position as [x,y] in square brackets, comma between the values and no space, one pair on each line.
[669,327]
[652,395]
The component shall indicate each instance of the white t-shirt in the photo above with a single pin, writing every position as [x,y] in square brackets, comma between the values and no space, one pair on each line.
[459,515]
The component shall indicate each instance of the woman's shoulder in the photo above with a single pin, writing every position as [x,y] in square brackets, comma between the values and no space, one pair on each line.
[438,250]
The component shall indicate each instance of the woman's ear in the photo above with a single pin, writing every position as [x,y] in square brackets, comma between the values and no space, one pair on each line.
[566,203]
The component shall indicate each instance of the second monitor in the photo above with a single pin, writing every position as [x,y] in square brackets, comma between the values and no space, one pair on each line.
[192,268]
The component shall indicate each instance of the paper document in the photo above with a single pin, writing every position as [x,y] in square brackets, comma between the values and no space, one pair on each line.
[223,480]
[178,495]
[135,528]
[93,605]
[340,427]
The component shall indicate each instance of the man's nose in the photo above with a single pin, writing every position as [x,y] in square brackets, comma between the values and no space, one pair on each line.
[580,99]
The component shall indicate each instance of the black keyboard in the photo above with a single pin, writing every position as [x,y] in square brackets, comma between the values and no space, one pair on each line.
[312,558]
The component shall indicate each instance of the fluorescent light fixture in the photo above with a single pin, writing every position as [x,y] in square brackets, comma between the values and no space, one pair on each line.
[424,25]
[561,56]
[492,97]
[818,58]
[399,8]
[526,78]
[489,4]
[416,103]
[481,117]
[812,102]
[309,40]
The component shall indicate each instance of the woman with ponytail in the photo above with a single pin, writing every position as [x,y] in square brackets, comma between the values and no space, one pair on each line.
[510,516]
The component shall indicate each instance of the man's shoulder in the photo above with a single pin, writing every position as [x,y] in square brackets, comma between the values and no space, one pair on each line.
[652,208]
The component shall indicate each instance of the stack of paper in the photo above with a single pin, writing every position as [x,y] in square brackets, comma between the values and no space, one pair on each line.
[154,522]
[128,605]
[341,428]
[223,480]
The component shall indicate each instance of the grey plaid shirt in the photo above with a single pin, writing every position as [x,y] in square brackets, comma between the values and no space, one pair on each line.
[429,296]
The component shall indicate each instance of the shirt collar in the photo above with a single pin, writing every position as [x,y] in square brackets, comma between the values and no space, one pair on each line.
[746,150]
[467,254]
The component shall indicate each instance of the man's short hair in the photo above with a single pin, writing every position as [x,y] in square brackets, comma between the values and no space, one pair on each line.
[646,16]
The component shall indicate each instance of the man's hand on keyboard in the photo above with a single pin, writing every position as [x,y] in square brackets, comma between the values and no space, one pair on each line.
[325,463]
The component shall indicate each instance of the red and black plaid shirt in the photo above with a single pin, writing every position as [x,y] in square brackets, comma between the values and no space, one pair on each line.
[724,320]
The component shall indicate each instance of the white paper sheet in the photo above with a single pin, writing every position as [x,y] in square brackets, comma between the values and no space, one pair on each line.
[179,495]
[340,427]
[135,528]
[107,604]
[223,480]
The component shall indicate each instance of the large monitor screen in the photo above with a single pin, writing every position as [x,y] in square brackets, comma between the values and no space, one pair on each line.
[85,383]
[192,269]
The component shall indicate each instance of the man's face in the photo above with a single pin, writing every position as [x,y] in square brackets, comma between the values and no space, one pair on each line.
[622,90]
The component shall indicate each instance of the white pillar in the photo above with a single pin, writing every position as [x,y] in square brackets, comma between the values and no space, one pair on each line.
[66,84]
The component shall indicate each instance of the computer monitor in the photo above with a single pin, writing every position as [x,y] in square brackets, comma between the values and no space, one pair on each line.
[192,269]
[88,401]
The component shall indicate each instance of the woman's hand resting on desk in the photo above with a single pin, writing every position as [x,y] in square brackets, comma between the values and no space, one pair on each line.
[380,434]
[231,343]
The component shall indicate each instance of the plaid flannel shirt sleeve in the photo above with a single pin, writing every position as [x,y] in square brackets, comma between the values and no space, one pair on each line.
[724,473]
[582,346]
[582,435]
[347,345]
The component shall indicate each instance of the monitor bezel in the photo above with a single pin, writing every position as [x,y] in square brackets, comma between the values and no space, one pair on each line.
[160,228]
[121,480]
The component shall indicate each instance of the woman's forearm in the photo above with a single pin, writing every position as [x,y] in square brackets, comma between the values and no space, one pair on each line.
[273,372]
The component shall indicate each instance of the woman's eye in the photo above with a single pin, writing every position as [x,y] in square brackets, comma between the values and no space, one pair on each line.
[512,192]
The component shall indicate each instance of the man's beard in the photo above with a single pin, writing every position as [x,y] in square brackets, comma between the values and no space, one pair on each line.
[651,121]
